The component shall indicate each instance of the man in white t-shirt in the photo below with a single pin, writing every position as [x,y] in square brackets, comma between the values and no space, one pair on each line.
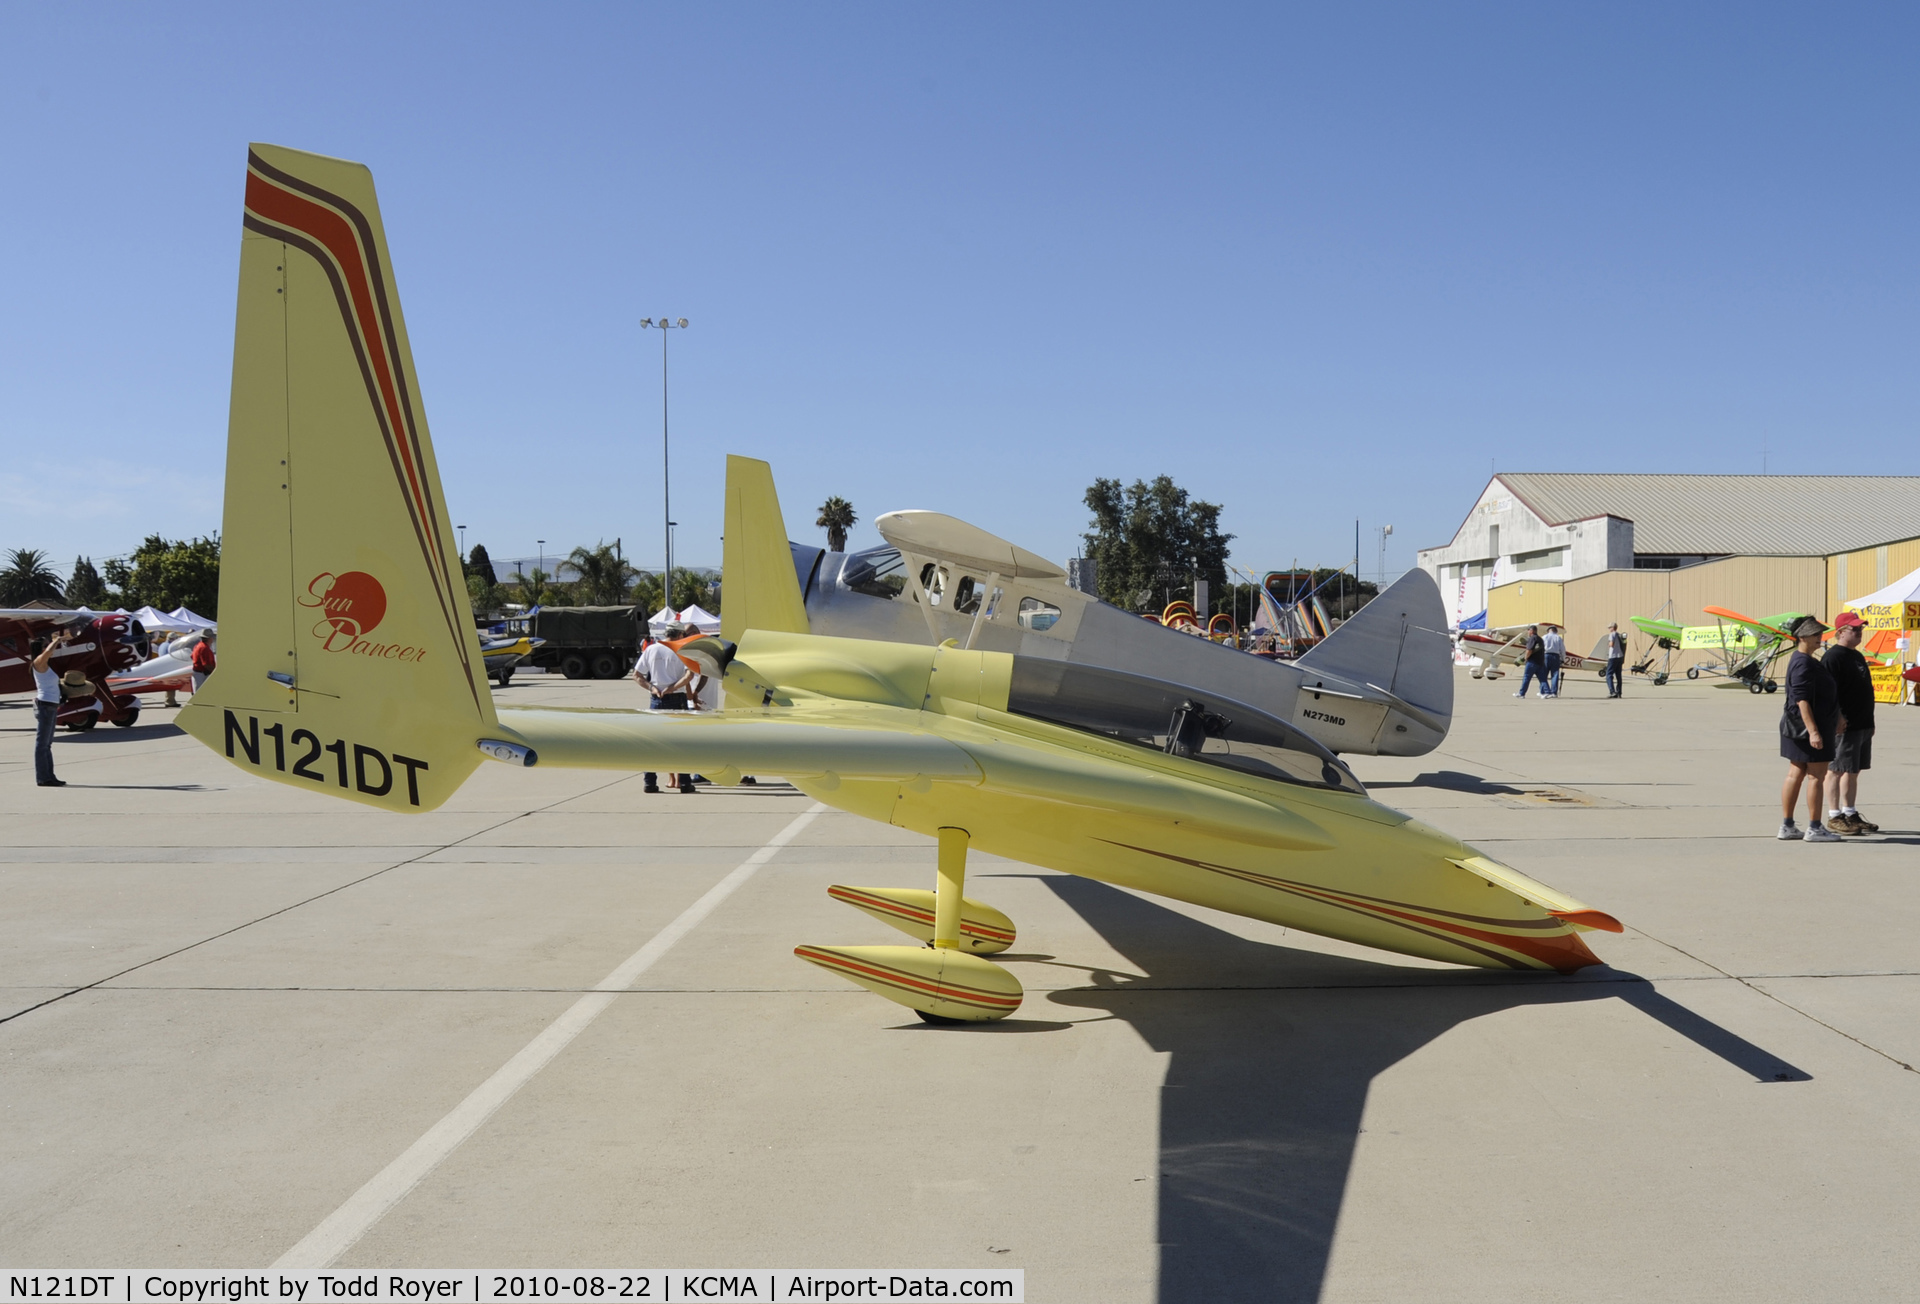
[1556,650]
[46,705]
[665,677]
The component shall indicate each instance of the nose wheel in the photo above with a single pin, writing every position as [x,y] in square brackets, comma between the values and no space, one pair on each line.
[945,980]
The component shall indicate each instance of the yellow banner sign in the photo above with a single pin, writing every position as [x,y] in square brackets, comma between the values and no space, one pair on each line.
[1888,686]
[1891,615]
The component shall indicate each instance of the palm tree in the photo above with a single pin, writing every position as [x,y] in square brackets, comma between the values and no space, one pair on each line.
[605,576]
[836,518]
[27,578]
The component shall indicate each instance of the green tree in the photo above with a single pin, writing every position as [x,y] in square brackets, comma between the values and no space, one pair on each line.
[836,518]
[86,588]
[538,589]
[605,576]
[691,587]
[481,595]
[1151,541]
[478,563]
[167,574]
[28,578]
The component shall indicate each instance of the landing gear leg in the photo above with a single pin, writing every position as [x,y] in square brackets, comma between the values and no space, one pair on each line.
[951,884]
[942,983]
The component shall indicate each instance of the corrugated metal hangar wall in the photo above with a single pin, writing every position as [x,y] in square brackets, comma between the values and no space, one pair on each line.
[1754,586]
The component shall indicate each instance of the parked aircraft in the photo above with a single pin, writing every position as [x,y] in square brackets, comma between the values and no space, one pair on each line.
[1744,649]
[170,671]
[1381,684]
[1507,646]
[104,645]
[1085,768]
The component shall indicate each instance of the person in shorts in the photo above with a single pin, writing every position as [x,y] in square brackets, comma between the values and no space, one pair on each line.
[1853,751]
[1813,706]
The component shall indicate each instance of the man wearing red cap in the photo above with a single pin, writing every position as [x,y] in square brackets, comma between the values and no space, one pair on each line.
[1853,750]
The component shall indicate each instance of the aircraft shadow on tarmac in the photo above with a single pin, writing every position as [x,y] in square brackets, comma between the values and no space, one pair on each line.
[90,737]
[1272,1052]
[1452,781]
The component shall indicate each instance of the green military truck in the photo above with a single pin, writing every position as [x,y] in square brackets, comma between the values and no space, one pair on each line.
[587,642]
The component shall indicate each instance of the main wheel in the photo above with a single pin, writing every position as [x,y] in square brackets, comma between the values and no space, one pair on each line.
[83,724]
[1753,686]
[127,721]
[573,666]
[941,1020]
[502,678]
[1771,687]
[606,665]
[1693,672]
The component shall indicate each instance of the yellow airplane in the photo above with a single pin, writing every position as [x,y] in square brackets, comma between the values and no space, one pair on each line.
[349,665]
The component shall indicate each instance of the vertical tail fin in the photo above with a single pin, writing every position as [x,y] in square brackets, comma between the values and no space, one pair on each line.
[761,591]
[348,658]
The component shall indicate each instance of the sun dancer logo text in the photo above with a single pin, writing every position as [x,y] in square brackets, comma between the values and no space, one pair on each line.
[351,605]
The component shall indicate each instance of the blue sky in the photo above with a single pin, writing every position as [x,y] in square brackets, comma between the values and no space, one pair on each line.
[1318,263]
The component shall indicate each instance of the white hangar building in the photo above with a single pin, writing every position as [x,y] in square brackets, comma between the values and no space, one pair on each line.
[1545,530]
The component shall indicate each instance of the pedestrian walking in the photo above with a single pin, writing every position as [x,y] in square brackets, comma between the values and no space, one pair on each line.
[1555,649]
[202,661]
[1853,751]
[665,676]
[1808,723]
[1616,659]
[1536,665]
[46,704]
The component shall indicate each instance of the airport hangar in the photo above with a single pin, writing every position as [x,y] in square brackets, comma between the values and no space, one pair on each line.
[1583,550]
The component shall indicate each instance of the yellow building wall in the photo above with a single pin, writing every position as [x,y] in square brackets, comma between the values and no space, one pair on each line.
[1752,586]
[1856,574]
[1524,602]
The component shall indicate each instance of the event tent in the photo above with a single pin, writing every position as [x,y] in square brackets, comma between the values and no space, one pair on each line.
[704,621]
[177,621]
[1904,589]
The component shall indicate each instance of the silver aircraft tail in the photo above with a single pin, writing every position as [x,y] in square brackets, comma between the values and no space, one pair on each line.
[1397,645]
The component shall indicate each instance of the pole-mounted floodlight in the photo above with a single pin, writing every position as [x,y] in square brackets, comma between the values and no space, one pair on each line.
[663,324]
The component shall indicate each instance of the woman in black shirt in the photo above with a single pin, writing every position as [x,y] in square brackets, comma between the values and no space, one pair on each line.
[1813,705]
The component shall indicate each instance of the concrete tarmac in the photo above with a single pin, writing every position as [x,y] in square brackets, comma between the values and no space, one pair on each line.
[229,1004]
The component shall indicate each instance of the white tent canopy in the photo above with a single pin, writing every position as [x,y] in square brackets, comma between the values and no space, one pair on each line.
[701,619]
[1904,589]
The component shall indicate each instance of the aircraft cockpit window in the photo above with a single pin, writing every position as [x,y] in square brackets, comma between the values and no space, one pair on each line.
[1037,615]
[934,580]
[967,594]
[878,573]
[1173,720]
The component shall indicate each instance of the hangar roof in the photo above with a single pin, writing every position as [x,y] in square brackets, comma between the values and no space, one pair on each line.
[1753,515]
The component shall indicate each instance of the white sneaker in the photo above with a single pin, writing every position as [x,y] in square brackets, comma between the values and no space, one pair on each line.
[1519,694]
[1820,833]
[1789,832]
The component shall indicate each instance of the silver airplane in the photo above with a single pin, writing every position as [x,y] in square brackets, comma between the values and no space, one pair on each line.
[1381,684]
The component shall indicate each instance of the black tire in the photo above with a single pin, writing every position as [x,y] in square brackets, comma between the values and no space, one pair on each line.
[1693,672]
[1659,680]
[941,1020]
[606,665]
[1772,687]
[1753,686]
[83,724]
[573,666]
[127,721]
[502,678]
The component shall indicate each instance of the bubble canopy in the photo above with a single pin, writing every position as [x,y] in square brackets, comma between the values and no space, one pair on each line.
[1172,719]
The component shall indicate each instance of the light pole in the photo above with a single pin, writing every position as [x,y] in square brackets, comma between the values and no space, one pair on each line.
[539,571]
[1386,532]
[663,325]
[463,541]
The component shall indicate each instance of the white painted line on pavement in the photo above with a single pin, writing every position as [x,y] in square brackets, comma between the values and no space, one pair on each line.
[322,1246]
